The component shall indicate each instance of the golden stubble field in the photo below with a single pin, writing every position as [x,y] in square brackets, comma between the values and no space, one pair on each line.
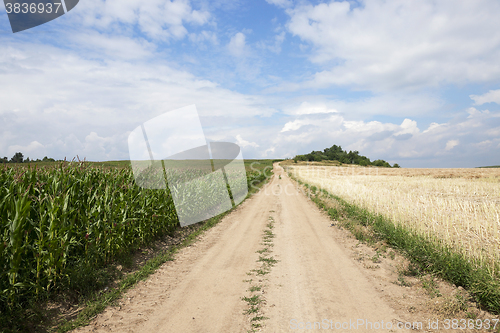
[460,207]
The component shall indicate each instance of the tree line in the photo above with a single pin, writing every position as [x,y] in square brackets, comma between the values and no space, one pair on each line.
[19,158]
[336,153]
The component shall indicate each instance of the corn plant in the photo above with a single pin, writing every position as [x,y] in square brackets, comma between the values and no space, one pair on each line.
[52,218]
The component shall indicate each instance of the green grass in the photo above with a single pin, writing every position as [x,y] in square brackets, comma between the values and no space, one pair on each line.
[266,263]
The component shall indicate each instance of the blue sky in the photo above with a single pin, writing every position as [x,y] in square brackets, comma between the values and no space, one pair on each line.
[413,82]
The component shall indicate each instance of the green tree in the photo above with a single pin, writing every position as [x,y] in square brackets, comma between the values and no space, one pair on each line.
[363,162]
[310,157]
[381,163]
[17,158]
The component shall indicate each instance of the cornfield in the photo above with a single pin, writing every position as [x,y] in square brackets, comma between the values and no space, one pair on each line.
[53,220]
[458,207]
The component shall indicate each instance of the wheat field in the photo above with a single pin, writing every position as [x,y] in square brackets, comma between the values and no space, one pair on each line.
[460,207]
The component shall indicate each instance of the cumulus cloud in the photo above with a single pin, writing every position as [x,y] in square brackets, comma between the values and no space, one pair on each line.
[243,143]
[120,66]
[311,108]
[492,96]
[34,148]
[87,107]
[404,143]
[452,144]
[280,3]
[384,45]
[237,45]
[157,19]
[292,125]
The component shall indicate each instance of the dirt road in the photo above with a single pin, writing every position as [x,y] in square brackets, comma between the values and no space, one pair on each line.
[315,280]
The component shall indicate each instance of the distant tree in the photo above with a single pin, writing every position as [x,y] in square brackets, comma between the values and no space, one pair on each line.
[343,159]
[335,153]
[310,157]
[17,158]
[381,163]
[352,157]
[396,165]
[4,160]
[363,162]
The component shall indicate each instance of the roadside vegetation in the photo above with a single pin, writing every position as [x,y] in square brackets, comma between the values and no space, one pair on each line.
[67,228]
[257,282]
[445,227]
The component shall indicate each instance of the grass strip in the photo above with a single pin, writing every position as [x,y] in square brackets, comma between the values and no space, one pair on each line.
[426,255]
[99,304]
[267,263]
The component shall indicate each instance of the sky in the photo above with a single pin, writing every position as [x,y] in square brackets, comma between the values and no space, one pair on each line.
[412,82]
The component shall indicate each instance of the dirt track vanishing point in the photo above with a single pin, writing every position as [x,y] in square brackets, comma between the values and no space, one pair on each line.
[314,280]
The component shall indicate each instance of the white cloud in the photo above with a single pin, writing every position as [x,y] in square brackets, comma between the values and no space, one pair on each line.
[314,120]
[158,19]
[237,45]
[115,47]
[452,144]
[403,143]
[433,127]
[203,36]
[484,144]
[269,152]
[86,107]
[275,45]
[34,148]
[243,143]
[393,104]
[492,96]
[292,126]
[120,67]
[385,45]
[475,113]
[310,108]
[408,126]
[280,3]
